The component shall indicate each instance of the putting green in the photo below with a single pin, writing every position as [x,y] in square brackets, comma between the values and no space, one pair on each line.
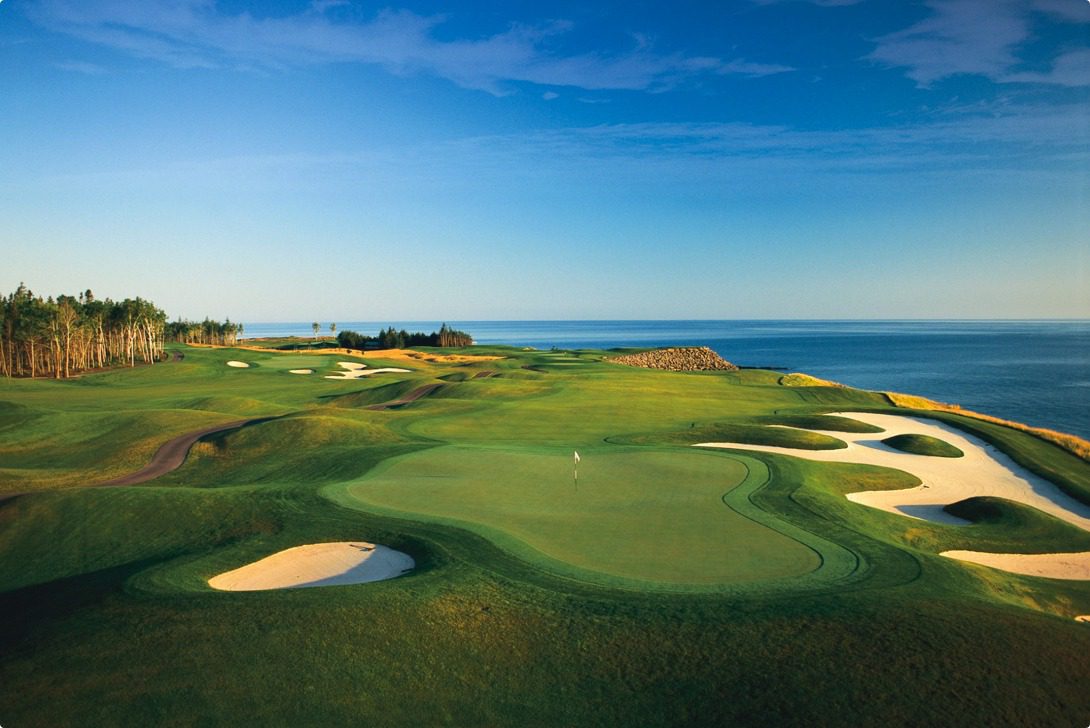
[636,515]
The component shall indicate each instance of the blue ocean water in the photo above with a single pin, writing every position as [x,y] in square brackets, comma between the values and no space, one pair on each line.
[1037,372]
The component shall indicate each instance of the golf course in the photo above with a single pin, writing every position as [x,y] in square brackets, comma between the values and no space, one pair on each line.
[728,547]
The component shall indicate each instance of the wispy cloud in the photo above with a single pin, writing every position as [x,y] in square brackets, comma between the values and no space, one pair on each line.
[196,33]
[982,142]
[88,69]
[822,3]
[1069,69]
[980,37]
[1070,10]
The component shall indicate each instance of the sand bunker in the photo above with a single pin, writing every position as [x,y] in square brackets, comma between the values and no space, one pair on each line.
[238,364]
[318,564]
[1051,566]
[300,371]
[355,370]
[1083,618]
[983,471]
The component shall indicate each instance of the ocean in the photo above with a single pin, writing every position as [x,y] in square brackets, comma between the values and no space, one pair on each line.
[1036,372]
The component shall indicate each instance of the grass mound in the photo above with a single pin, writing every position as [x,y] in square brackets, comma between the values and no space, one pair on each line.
[371,395]
[303,448]
[923,445]
[1004,526]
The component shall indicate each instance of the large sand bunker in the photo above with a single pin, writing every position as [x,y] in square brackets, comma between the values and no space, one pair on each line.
[318,564]
[238,364]
[355,370]
[983,471]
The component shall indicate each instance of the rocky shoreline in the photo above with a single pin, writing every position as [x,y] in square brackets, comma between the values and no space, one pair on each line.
[678,359]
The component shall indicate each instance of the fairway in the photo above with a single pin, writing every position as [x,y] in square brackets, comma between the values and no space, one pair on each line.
[643,516]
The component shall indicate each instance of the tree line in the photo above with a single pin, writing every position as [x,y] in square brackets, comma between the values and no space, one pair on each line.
[68,334]
[204,332]
[65,335]
[390,338]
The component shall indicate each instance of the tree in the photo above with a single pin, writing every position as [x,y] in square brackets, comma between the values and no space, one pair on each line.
[333,329]
[316,326]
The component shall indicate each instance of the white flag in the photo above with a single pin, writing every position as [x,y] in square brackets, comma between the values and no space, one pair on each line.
[576,458]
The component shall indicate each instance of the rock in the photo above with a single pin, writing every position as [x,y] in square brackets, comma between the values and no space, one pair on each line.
[681,359]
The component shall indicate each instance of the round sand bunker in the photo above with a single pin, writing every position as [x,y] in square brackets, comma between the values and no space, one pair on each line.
[317,564]
[238,364]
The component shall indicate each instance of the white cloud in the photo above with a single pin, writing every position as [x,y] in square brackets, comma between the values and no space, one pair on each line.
[550,95]
[195,33]
[960,36]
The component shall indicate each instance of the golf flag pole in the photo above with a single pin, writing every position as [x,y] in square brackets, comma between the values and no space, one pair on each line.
[576,468]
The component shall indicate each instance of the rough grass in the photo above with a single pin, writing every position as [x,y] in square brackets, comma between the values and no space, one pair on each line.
[923,445]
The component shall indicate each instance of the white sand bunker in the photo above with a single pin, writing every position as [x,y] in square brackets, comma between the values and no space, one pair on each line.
[355,370]
[317,564]
[1051,566]
[983,471]
[238,364]
[300,371]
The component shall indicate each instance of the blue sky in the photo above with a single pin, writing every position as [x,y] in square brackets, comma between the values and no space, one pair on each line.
[367,161]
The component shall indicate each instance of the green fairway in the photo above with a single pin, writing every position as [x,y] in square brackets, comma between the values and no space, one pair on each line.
[668,585]
[652,516]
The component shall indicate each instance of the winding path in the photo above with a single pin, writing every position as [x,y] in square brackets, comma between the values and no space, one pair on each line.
[168,457]
[172,453]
